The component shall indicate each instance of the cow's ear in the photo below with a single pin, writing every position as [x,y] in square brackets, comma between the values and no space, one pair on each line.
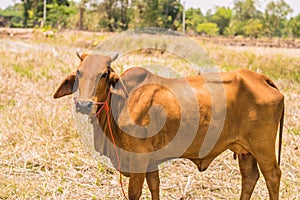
[117,86]
[67,87]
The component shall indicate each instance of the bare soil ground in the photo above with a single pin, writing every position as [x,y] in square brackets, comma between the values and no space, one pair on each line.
[42,157]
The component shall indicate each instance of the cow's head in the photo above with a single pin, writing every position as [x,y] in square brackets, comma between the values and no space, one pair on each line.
[93,79]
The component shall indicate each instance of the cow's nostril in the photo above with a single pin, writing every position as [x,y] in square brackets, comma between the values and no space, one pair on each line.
[84,107]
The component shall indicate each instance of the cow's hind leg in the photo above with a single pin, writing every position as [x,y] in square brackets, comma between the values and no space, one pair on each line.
[249,173]
[272,174]
[153,183]
[266,159]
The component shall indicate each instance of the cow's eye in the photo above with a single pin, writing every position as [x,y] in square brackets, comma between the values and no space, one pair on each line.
[78,73]
[104,75]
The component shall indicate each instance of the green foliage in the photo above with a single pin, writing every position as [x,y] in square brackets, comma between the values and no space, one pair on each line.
[10,12]
[117,15]
[156,13]
[245,10]
[294,26]
[57,15]
[245,20]
[151,14]
[235,28]
[193,17]
[208,28]
[146,13]
[253,28]
[170,12]
[275,16]
[222,18]
[27,5]
[11,16]
[57,12]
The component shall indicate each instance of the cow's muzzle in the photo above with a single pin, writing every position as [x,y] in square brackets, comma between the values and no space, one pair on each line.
[84,107]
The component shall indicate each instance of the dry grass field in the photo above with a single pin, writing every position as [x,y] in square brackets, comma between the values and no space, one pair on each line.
[41,156]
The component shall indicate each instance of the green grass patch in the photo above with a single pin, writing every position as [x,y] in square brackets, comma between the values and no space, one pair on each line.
[295,131]
[10,103]
[60,190]
[45,73]
[24,71]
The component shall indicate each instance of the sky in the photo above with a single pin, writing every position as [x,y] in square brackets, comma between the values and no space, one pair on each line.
[203,4]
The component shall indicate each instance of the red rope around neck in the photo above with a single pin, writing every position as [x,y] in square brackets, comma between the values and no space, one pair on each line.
[105,106]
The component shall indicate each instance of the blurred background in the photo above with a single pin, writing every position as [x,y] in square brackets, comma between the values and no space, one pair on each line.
[251,18]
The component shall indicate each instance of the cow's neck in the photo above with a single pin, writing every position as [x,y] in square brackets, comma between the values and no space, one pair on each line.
[101,142]
[103,122]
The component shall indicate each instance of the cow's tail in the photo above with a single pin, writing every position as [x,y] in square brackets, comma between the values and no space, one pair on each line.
[272,84]
[280,134]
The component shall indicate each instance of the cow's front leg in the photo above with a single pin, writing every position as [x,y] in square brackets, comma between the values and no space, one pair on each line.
[250,174]
[153,183]
[136,181]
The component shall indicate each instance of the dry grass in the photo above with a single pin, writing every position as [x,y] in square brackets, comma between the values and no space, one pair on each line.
[276,63]
[41,156]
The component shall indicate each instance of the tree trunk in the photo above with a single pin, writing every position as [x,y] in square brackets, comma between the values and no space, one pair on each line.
[108,4]
[124,5]
[81,14]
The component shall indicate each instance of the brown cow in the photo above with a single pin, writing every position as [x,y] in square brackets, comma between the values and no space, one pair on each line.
[249,116]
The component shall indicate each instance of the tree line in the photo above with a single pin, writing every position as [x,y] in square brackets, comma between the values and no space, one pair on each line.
[245,18]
